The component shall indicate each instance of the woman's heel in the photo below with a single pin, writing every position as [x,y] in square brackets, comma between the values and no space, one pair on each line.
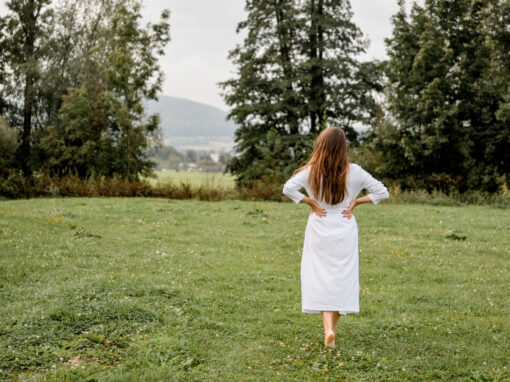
[330,340]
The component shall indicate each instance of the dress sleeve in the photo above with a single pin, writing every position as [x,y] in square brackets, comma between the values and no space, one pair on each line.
[377,190]
[294,184]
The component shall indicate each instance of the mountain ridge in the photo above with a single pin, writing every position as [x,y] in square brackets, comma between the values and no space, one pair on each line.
[181,117]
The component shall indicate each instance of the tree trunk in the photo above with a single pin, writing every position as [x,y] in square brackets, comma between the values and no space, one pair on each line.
[317,96]
[128,131]
[29,20]
[320,75]
[24,148]
[283,39]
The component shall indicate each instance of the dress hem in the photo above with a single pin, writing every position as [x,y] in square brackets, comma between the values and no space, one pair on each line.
[339,310]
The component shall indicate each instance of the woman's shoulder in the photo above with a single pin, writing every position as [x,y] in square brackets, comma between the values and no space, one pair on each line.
[305,169]
[355,171]
[354,167]
[301,172]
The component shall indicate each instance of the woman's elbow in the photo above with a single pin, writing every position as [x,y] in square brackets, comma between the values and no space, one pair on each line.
[381,195]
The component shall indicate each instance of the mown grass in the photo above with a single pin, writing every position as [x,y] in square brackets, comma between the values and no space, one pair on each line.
[134,289]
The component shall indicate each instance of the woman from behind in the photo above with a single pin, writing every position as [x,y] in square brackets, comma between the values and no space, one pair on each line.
[329,263]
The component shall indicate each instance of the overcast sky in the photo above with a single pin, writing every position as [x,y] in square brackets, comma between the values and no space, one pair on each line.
[203,31]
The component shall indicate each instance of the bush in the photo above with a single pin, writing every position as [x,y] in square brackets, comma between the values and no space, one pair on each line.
[16,185]
[452,198]
[41,184]
[263,189]
[8,146]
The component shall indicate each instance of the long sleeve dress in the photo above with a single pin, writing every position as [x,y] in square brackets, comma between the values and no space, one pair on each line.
[329,263]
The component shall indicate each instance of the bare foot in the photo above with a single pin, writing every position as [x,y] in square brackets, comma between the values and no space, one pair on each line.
[329,341]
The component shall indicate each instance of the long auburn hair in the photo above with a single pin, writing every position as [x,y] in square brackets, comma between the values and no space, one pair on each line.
[328,166]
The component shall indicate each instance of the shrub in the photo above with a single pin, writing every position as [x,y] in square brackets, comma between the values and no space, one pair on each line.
[41,184]
[16,185]
[263,189]
[8,146]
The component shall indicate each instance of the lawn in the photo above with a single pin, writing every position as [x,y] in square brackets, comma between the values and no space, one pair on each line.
[195,179]
[121,289]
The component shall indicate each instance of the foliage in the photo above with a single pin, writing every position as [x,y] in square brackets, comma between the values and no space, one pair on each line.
[296,72]
[448,76]
[8,146]
[211,186]
[81,141]
[22,51]
[17,185]
[133,74]
[274,156]
[95,65]
[147,289]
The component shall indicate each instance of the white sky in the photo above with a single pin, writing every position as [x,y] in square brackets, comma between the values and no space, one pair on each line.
[203,31]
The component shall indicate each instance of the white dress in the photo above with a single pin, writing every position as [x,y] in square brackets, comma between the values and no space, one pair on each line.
[329,264]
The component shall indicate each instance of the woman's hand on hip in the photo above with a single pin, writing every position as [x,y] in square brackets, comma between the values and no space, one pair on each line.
[316,209]
[348,212]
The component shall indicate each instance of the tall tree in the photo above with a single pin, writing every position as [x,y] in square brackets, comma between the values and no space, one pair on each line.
[102,126]
[337,86]
[75,27]
[21,34]
[296,69]
[448,76]
[75,65]
[263,96]
[134,75]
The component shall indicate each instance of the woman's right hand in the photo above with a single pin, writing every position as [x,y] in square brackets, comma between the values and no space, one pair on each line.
[316,209]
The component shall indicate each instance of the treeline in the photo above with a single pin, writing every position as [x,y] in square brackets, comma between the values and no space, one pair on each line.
[74,76]
[436,114]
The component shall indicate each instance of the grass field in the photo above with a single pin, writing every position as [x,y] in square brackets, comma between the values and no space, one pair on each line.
[195,179]
[153,289]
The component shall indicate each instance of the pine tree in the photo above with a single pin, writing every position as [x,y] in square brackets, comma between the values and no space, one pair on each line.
[338,87]
[296,72]
[448,75]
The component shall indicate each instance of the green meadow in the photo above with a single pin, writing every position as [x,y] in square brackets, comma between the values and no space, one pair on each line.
[134,289]
[194,179]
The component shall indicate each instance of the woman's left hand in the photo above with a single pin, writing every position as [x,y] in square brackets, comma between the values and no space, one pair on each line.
[348,212]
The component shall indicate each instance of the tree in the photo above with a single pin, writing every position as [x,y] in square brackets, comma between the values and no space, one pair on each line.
[8,146]
[21,33]
[134,75]
[102,126]
[87,68]
[448,74]
[296,71]
[81,142]
[74,30]
[338,87]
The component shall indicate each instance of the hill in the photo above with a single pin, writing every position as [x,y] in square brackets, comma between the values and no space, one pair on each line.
[184,118]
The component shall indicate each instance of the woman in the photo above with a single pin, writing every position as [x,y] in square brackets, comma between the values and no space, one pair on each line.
[329,265]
